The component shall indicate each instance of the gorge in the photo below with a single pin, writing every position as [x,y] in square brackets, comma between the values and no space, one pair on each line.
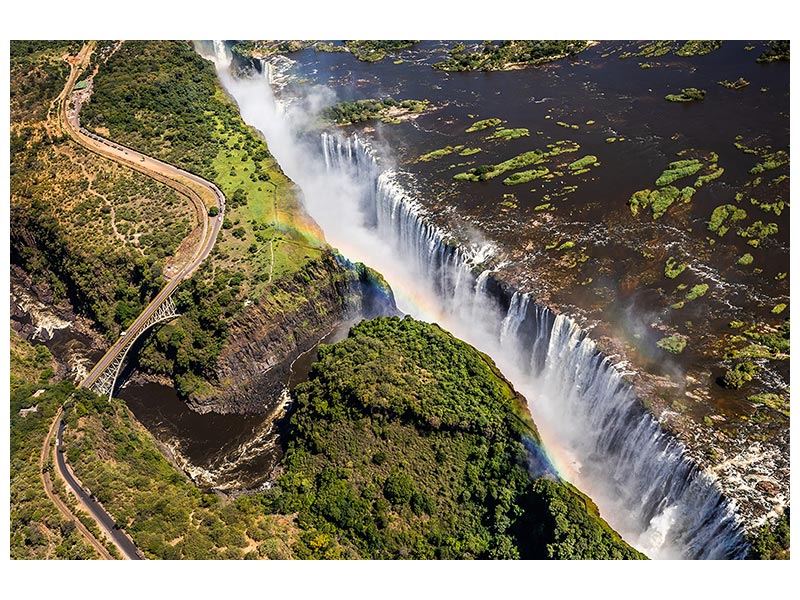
[448,313]
[595,428]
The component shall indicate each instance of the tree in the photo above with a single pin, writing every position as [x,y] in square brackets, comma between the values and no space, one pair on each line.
[213,211]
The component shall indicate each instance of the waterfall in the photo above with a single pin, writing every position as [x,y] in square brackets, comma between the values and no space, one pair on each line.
[593,426]
[222,55]
[640,476]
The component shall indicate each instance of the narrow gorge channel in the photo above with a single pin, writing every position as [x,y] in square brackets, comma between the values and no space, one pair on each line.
[597,433]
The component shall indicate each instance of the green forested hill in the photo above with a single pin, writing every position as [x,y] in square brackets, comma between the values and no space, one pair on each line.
[408,443]
[405,443]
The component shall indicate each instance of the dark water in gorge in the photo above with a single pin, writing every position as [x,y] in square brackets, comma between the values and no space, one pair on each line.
[219,451]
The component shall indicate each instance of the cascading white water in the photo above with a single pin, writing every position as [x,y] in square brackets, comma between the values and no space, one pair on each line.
[638,474]
[600,437]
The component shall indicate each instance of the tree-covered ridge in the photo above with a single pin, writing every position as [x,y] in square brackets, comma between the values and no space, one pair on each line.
[771,542]
[407,443]
[387,110]
[432,462]
[509,54]
[161,98]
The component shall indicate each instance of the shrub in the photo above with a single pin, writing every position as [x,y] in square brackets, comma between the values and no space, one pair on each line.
[674,343]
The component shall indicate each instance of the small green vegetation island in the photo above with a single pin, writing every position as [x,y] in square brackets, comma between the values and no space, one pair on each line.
[363,50]
[687,95]
[509,54]
[387,110]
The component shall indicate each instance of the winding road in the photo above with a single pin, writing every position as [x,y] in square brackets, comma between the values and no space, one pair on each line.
[202,194]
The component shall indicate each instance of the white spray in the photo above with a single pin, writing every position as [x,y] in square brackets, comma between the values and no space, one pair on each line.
[597,433]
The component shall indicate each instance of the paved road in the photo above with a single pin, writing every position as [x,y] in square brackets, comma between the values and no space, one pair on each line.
[104,520]
[170,175]
[63,508]
[184,183]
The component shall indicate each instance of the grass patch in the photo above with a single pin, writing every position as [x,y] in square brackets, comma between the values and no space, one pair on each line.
[582,163]
[509,54]
[387,110]
[699,47]
[658,201]
[437,154]
[698,290]
[469,151]
[723,217]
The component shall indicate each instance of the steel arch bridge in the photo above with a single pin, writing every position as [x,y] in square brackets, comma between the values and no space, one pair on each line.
[105,381]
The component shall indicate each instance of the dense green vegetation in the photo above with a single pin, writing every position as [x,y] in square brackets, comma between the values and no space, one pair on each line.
[483,124]
[758,231]
[38,75]
[699,47]
[148,98]
[723,217]
[673,344]
[387,110]
[407,443]
[739,375]
[508,134]
[581,164]
[651,49]
[144,81]
[441,152]
[672,268]
[777,402]
[659,200]
[678,170]
[167,516]
[264,48]
[375,50]
[775,51]
[508,54]
[526,159]
[365,50]
[771,542]
[37,529]
[758,341]
[526,176]
[687,95]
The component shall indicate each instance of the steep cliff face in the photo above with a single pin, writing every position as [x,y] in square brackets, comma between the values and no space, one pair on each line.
[268,335]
